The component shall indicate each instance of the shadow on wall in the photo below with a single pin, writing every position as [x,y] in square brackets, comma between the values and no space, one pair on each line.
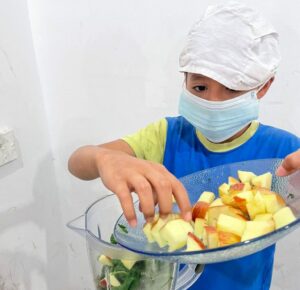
[44,213]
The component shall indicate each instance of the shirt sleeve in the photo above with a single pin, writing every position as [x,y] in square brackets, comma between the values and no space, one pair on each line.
[149,142]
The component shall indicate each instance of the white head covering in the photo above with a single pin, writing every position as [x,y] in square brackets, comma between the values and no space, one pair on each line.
[233,45]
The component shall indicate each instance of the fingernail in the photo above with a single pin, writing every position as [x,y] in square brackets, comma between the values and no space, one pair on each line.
[280,171]
[188,216]
[132,223]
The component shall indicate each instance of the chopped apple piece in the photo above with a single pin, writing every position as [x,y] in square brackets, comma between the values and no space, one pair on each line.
[257,206]
[105,260]
[217,202]
[213,213]
[283,217]
[155,231]
[245,176]
[272,203]
[194,243]
[256,229]
[232,180]
[173,199]
[224,189]
[199,227]
[147,231]
[263,217]
[103,283]
[175,233]
[199,210]
[264,180]
[230,224]
[207,196]
[226,238]
[212,237]
[114,282]
[128,263]
[247,195]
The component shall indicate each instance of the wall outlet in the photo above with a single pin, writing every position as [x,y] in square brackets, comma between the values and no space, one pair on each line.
[8,149]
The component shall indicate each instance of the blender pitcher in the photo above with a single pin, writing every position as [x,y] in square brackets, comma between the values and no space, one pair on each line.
[117,268]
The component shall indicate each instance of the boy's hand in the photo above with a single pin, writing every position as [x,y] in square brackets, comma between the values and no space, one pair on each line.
[290,164]
[122,174]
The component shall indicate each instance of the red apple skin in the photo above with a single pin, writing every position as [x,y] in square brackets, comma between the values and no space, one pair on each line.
[237,187]
[103,283]
[199,210]
[197,240]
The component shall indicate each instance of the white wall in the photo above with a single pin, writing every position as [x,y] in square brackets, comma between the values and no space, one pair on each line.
[31,228]
[106,68]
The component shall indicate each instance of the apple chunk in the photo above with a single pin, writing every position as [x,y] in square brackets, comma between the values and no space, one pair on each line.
[199,227]
[263,217]
[199,210]
[283,217]
[226,238]
[212,237]
[207,196]
[264,180]
[105,260]
[256,229]
[175,232]
[216,202]
[230,224]
[245,176]
[194,243]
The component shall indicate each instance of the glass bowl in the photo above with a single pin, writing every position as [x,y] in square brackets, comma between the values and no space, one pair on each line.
[210,180]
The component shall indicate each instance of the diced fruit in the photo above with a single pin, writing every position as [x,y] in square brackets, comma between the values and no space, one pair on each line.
[272,203]
[200,209]
[207,196]
[224,189]
[213,213]
[232,180]
[237,187]
[114,282]
[263,217]
[256,229]
[199,227]
[155,231]
[147,231]
[217,202]
[103,283]
[247,195]
[194,243]
[230,224]
[257,206]
[175,233]
[212,237]
[245,176]
[283,217]
[128,263]
[264,180]
[105,260]
[173,199]
[226,238]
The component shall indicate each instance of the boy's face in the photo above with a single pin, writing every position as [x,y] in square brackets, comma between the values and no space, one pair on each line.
[211,90]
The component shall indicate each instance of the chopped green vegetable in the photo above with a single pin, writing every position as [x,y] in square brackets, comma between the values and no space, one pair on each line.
[113,239]
[123,228]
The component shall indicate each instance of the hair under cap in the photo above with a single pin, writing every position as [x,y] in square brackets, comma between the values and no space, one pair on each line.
[234,45]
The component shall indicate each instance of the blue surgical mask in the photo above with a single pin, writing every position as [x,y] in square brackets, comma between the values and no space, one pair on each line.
[218,121]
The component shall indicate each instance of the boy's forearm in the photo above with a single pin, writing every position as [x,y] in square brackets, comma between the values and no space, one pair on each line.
[84,163]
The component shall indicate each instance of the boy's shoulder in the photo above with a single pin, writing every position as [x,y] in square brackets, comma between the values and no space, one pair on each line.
[270,131]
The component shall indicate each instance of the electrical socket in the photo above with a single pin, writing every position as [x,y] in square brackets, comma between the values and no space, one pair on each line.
[8,149]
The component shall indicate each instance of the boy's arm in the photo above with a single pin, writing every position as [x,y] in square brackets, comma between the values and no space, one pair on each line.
[123,173]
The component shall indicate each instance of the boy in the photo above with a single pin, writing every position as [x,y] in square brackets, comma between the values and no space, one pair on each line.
[229,63]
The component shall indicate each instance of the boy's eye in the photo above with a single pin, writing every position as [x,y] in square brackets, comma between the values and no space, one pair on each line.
[200,88]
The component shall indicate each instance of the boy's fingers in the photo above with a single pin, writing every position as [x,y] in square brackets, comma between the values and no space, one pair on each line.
[144,190]
[290,164]
[163,190]
[124,195]
[182,199]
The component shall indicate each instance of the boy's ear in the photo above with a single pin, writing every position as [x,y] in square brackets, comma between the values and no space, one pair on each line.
[265,88]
